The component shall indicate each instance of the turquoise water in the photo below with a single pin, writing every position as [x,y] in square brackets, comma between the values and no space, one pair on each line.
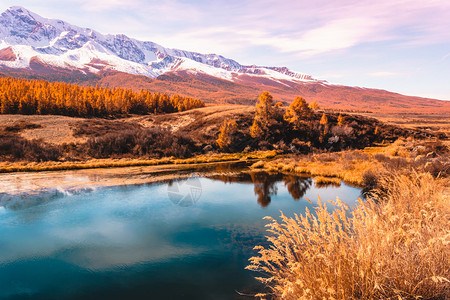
[180,240]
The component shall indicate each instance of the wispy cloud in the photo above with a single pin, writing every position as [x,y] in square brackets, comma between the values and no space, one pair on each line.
[445,57]
[307,28]
[338,34]
[384,74]
[298,27]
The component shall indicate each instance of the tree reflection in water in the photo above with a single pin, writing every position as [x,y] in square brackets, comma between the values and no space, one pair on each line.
[265,183]
[297,186]
[265,186]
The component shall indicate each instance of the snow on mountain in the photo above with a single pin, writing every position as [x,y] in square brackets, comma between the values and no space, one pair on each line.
[31,37]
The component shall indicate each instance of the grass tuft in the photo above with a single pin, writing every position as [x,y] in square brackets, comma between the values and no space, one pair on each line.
[321,181]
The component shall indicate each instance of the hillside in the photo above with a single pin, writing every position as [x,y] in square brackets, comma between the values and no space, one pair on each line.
[58,130]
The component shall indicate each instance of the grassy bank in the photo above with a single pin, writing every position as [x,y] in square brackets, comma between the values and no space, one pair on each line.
[394,245]
[350,166]
[363,167]
[9,167]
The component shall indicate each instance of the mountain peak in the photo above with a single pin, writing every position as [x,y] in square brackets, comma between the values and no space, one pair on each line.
[18,9]
[59,44]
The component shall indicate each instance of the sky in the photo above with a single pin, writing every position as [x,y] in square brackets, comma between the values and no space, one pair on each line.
[397,45]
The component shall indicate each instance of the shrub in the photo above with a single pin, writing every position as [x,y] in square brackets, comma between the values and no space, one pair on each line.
[155,141]
[14,148]
[298,146]
[369,180]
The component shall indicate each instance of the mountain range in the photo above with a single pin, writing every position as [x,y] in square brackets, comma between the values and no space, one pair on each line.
[32,46]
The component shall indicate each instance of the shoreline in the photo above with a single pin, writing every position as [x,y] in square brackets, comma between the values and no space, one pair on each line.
[21,167]
[359,168]
[107,173]
[21,183]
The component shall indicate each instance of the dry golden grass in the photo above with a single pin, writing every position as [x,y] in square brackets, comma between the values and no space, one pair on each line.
[401,148]
[349,166]
[431,156]
[324,181]
[438,122]
[9,167]
[393,247]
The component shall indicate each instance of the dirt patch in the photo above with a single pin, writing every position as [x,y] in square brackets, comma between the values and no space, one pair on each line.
[55,130]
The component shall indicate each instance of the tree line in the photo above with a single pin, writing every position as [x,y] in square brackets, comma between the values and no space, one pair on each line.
[21,96]
[302,127]
[273,123]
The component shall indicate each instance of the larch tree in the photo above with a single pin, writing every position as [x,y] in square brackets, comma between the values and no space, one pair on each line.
[314,106]
[324,123]
[298,112]
[265,114]
[227,130]
[340,120]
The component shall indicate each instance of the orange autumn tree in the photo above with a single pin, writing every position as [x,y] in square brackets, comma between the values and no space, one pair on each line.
[298,112]
[227,130]
[314,106]
[340,120]
[324,123]
[265,113]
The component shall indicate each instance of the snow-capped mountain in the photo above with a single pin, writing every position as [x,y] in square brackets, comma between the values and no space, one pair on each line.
[35,47]
[27,38]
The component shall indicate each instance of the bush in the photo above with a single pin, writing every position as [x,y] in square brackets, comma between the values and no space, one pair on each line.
[156,142]
[14,148]
[369,181]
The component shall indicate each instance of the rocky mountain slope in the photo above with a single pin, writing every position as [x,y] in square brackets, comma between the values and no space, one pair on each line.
[28,38]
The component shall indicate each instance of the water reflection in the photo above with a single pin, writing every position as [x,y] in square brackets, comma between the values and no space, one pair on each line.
[264,187]
[297,186]
[132,242]
[26,200]
[265,184]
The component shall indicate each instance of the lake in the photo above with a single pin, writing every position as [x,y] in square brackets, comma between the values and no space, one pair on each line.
[178,239]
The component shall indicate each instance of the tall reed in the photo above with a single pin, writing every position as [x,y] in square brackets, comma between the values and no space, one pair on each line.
[393,246]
